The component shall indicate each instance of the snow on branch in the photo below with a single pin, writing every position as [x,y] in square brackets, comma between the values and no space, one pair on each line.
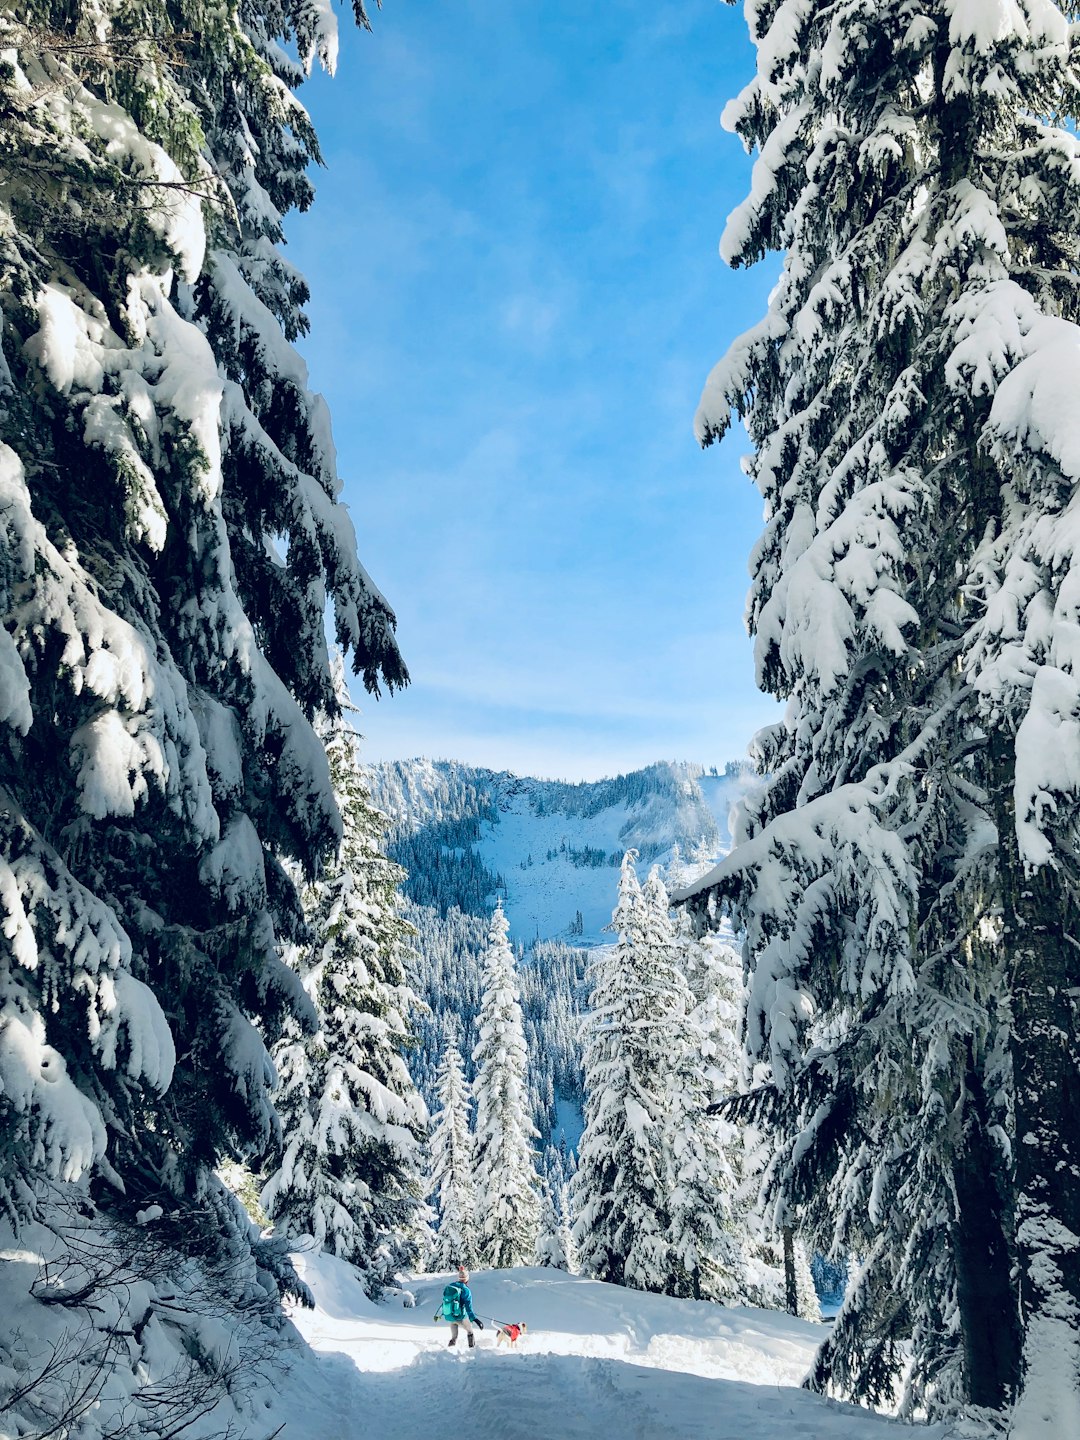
[831,865]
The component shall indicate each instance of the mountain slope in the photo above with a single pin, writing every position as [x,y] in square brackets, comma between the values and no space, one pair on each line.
[550,847]
[552,850]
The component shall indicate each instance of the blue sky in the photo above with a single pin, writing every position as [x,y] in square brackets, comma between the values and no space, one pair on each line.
[516,298]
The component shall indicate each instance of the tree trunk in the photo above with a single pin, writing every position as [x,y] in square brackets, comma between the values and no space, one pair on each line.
[1045,971]
[980,1235]
[791,1289]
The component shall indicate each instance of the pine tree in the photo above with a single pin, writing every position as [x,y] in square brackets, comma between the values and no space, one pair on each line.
[452,1172]
[555,1248]
[906,877]
[619,1186]
[549,1252]
[714,974]
[160,661]
[652,1190]
[567,1247]
[807,1305]
[507,1201]
[353,1120]
[700,1185]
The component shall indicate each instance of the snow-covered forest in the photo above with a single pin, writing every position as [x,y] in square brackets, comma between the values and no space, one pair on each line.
[552,851]
[287,1038]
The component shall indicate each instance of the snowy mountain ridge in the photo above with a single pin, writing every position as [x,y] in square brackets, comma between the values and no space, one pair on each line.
[551,848]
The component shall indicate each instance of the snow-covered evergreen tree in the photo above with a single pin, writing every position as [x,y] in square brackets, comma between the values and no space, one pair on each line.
[807,1305]
[159,658]
[353,1120]
[653,1193]
[700,1183]
[566,1249]
[507,1203]
[549,1251]
[452,1168]
[714,972]
[619,1185]
[555,1247]
[907,875]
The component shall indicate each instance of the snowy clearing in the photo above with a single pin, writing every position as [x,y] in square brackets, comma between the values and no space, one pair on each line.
[598,1361]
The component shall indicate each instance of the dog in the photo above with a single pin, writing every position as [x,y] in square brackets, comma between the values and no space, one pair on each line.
[509,1334]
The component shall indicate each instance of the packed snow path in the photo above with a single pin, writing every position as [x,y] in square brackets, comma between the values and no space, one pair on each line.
[598,1362]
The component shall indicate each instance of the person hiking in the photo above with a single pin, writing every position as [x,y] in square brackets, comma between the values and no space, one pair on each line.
[457,1308]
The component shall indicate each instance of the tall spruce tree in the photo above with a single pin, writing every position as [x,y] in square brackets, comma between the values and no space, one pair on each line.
[714,974]
[620,1181]
[452,1168]
[508,1213]
[555,1246]
[161,654]
[908,877]
[807,1304]
[352,1117]
[653,1208]
[704,1250]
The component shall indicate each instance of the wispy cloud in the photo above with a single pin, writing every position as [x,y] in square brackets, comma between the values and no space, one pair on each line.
[531,316]
[515,302]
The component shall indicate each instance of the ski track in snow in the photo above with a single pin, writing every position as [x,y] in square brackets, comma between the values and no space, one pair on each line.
[598,1362]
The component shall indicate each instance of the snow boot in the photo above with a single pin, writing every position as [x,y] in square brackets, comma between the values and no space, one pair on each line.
[472,1340]
[453,1340]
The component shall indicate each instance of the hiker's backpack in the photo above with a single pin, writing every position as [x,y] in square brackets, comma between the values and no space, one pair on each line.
[452,1306]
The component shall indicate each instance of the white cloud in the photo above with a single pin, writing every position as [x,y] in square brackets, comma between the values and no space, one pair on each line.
[516,298]
[530,315]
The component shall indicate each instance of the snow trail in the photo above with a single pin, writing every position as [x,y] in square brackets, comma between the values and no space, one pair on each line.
[598,1361]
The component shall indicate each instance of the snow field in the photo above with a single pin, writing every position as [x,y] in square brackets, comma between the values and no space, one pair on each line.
[598,1361]
[535,818]
[542,899]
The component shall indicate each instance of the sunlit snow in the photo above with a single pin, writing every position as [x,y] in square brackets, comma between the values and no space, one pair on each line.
[597,1361]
